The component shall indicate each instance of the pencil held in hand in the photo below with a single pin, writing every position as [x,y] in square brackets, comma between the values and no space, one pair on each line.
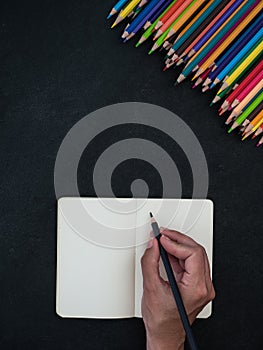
[174,287]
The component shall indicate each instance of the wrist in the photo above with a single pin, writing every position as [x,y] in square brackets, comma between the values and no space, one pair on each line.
[164,344]
[165,340]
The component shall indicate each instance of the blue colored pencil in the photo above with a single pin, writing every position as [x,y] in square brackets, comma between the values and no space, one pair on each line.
[191,65]
[214,28]
[117,7]
[156,14]
[254,42]
[195,25]
[234,50]
[257,23]
[142,18]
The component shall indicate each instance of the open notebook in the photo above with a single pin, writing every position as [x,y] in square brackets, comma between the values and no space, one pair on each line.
[100,244]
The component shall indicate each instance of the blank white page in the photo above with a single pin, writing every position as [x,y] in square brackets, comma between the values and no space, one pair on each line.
[95,272]
[191,217]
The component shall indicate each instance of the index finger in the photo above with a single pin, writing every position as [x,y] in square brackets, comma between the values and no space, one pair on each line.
[178,237]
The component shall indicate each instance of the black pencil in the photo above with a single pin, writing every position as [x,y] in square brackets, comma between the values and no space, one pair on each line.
[174,287]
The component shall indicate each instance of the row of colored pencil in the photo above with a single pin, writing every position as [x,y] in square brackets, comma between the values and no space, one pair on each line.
[220,42]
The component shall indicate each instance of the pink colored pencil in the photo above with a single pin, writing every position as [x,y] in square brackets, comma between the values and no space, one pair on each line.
[248,88]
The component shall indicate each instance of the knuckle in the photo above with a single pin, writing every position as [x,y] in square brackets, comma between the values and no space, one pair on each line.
[212,293]
[202,292]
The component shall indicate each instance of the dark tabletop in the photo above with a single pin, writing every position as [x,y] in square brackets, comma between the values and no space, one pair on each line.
[59,62]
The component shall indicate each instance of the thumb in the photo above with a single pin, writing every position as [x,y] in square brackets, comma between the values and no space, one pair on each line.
[150,265]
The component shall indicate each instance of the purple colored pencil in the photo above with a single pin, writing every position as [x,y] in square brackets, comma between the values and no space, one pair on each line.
[217,25]
[248,35]
[159,11]
[227,34]
[142,18]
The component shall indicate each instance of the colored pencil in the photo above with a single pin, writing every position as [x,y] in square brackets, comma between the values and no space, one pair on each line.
[260,142]
[150,30]
[216,26]
[237,58]
[232,50]
[205,30]
[242,106]
[246,113]
[157,14]
[243,84]
[211,44]
[228,38]
[164,18]
[117,7]
[253,87]
[219,42]
[258,131]
[192,11]
[175,17]
[124,13]
[141,19]
[197,27]
[253,55]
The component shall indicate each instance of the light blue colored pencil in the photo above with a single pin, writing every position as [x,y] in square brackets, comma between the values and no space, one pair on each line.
[117,7]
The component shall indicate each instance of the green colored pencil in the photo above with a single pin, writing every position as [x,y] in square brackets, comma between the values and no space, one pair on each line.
[246,112]
[191,65]
[162,38]
[149,30]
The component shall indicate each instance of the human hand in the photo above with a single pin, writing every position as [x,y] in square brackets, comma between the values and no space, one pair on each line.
[190,264]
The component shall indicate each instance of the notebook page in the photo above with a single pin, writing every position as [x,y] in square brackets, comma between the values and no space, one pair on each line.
[192,217]
[95,271]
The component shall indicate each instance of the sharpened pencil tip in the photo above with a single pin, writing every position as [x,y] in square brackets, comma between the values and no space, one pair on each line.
[114,24]
[150,52]
[109,16]
[138,44]
[230,130]
[151,215]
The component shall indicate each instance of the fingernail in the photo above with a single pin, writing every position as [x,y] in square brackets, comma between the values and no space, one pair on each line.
[150,243]
[165,237]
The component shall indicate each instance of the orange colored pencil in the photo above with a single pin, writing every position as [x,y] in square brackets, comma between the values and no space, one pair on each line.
[171,19]
[207,28]
[229,39]
[168,14]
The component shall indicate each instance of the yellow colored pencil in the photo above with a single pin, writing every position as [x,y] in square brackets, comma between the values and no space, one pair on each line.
[192,55]
[250,129]
[230,38]
[124,13]
[242,66]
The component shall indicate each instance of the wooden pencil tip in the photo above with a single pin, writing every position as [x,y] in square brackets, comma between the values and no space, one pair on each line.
[230,130]
[165,68]
[151,215]
[114,24]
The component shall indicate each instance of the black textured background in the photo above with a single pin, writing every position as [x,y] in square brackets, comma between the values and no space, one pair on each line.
[59,62]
